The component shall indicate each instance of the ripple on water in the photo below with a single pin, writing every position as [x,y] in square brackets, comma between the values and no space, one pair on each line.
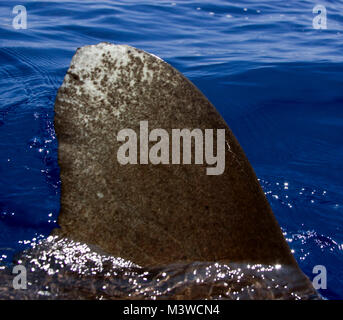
[276,81]
[59,268]
[311,219]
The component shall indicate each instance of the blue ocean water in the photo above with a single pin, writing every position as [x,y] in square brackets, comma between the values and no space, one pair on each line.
[276,80]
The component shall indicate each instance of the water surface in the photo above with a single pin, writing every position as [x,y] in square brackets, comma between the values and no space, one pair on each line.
[276,81]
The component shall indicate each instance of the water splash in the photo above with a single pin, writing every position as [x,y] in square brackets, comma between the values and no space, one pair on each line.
[59,268]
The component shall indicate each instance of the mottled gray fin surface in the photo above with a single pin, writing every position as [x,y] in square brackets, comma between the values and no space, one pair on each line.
[153,214]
